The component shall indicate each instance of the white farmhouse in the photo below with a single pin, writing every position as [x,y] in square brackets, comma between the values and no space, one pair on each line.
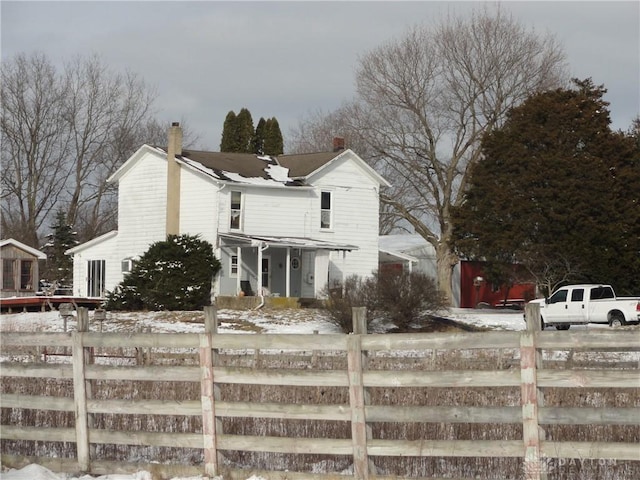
[284,226]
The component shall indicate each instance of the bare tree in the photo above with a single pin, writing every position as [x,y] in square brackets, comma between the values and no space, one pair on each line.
[315,133]
[35,146]
[63,134]
[424,102]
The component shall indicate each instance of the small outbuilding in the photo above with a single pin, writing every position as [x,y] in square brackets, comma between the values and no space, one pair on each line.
[20,275]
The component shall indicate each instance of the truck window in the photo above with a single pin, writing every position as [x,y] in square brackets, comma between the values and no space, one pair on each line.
[599,293]
[577,295]
[558,297]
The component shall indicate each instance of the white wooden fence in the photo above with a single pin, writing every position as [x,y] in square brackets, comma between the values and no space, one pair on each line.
[531,378]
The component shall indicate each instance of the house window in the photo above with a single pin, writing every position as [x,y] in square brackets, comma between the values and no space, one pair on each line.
[127,265]
[236,210]
[233,266]
[8,278]
[26,275]
[325,210]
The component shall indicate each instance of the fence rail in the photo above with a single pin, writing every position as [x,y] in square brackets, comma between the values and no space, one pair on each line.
[531,378]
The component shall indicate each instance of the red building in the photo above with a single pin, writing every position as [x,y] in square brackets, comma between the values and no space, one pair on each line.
[411,252]
[476,290]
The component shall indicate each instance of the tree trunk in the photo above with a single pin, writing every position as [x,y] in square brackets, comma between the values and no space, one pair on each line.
[446,260]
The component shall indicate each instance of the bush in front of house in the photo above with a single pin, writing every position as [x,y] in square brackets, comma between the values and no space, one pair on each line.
[175,274]
[405,299]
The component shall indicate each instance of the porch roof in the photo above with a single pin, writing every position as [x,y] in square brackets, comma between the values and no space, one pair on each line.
[240,239]
[388,256]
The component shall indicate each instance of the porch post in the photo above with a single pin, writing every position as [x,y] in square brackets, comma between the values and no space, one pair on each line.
[288,274]
[239,274]
[259,292]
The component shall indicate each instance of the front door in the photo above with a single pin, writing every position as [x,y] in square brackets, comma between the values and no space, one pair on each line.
[308,261]
[95,278]
[265,271]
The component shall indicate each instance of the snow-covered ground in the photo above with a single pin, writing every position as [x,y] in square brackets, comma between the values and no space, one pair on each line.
[265,321]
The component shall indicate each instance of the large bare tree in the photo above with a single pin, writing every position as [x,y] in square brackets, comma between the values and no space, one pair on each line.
[425,100]
[34,145]
[63,134]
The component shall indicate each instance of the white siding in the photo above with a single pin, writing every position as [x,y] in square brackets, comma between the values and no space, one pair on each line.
[198,206]
[142,199]
[107,251]
[205,210]
[355,210]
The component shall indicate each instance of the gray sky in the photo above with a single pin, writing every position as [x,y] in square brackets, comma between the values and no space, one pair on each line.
[288,59]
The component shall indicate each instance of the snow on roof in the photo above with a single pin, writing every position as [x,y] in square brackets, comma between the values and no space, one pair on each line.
[276,175]
[35,252]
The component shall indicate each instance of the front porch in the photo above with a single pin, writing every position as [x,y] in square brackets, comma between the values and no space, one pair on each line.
[276,268]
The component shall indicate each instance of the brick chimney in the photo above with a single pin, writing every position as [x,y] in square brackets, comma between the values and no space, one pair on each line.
[338,144]
[174,148]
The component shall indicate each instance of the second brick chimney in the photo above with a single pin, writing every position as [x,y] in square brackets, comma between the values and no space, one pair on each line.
[338,144]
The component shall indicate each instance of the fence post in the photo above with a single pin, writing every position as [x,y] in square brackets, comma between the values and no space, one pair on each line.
[208,392]
[356,401]
[359,320]
[80,400]
[532,398]
[89,359]
[358,395]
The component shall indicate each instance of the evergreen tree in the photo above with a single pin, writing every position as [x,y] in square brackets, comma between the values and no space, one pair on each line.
[175,274]
[229,142]
[59,268]
[257,144]
[273,143]
[552,192]
[245,131]
[238,135]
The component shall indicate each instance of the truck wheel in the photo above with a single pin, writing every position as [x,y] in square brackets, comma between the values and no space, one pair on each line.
[617,320]
[541,323]
[562,327]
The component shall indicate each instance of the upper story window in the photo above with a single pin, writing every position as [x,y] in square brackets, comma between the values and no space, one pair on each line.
[325,210]
[236,210]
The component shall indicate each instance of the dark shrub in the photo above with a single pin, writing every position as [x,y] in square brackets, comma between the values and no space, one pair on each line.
[175,274]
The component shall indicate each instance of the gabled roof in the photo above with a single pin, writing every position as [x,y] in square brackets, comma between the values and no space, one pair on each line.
[92,242]
[32,251]
[284,170]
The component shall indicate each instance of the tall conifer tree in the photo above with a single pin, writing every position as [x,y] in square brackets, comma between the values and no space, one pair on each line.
[229,142]
[273,143]
[557,191]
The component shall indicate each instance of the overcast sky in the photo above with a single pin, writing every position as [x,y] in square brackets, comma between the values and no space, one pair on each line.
[288,59]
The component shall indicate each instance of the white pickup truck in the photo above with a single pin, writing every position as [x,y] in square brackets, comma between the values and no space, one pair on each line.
[581,304]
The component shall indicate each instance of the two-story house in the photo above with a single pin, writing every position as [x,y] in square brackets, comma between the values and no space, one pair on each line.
[285,226]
